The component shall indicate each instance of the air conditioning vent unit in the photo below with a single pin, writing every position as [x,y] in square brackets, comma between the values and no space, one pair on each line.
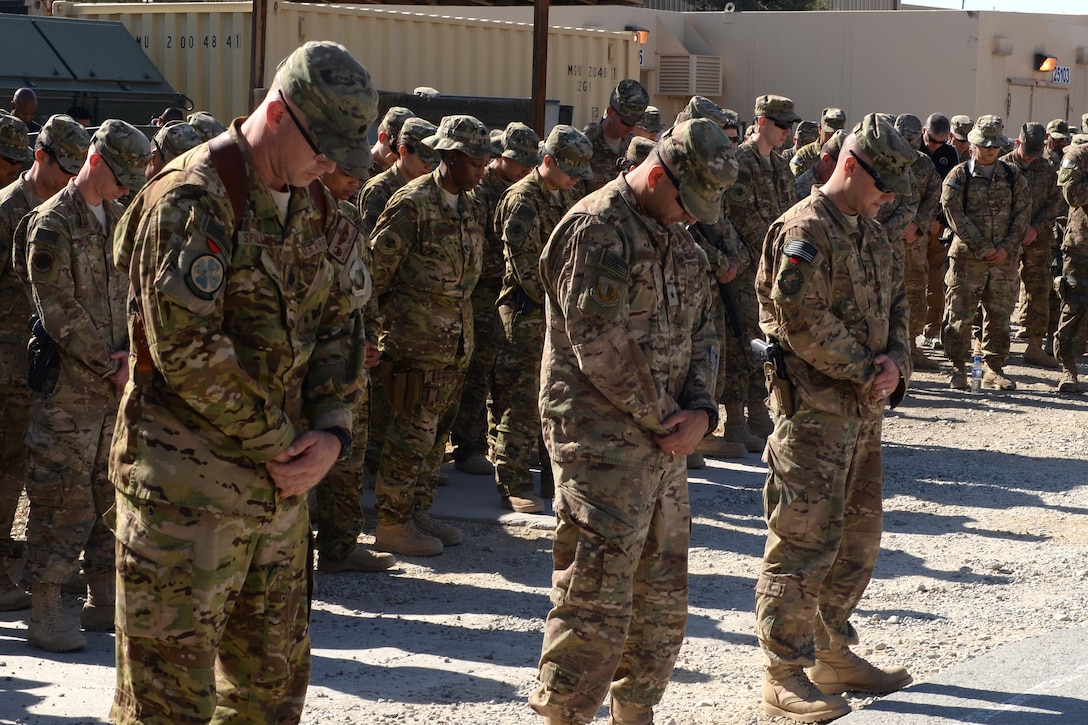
[689,75]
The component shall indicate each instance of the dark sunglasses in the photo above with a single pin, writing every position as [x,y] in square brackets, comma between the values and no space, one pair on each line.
[675,181]
[783,126]
[298,124]
[877,181]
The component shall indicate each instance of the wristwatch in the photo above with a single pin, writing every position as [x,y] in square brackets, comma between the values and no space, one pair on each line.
[712,425]
[345,441]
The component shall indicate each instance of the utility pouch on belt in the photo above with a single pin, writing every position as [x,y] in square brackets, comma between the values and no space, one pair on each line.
[42,357]
[769,352]
[408,388]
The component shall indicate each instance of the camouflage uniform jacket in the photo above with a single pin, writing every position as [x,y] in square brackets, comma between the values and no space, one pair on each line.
[805,183]
[526,215]
[928,184]
[629,333]
[356,286]
[899,213]
[16,199]
[1073,178]
[245,330]
[762,192]
[1046,198]
[990,214]
[805,158]
[722,247]
[426,262]
[604,158]
[487,193]
[64,254]
[830,293]
[375,195]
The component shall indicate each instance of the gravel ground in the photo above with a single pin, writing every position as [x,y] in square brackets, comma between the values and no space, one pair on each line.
[984,545]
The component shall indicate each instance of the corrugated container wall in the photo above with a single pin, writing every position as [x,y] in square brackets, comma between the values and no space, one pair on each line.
[203,50]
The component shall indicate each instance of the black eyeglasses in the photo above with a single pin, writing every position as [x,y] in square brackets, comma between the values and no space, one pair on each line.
[675,182]
[783,126]
[877,181]
[303,131]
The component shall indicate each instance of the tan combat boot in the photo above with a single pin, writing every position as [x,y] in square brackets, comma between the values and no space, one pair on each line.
[524,502]
[475,465]
[621,714]
[841,670]
[737,431]
[787,692]
[360,559]
[957,379]
[98,610]
[48,630]
[718,447]
[1068,382]
[557,721]
[1036,355]
[921,361]
[993,377]
[759,419]
[448,535]
[12,596]
[695,461]
[406,539]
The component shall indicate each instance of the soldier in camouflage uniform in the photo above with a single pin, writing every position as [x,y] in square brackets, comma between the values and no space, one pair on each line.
[832,296]
[626,393]
[935,145]
[650,127]
[927,187]
[807,132]
[62,251]
[385,149]
[987,203]
[961,129]
[171,141]
[519,145]
[58,154]
[763,191]
[14,153]
[206,125]
[1058,139]
[638,150]
[821,171]
[1073,284]
[427,252]
[1036,281]
[525,216]
[237,405]
[897,214]
[336,513]
[831,120]
[609,135]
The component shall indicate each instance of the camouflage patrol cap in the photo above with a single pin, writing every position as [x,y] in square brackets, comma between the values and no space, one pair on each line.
[1080,138]
[629,99]
[702,156]
[174,139]
[335,93]
[13,140]
[832,119]
[637,152]
[462,133]
[961,126]
[651,120]
[833,146]
[205,124]
[67,140]
[776,108]
[702,107]
[393,119]
[989,132]
[909,127]
[126,151]
[807,132]
[1033,139]
[888,152]
[1059,129]
[413,132]
[571,150]
[520,143]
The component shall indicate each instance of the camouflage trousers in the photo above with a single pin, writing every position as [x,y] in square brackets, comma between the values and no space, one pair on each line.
[212,615]
[1073,321]
[936,264]
[470,429]
[916,281]
[744,381]
[67,482]
[15,401]
[376,422]
[337,510]
[822,502]
[1036,286]
[513,412]
[969,282]
[619,587]
[415,445]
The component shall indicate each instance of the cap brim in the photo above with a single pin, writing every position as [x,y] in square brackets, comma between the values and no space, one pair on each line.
[1061,136]
[898,183]
[352,155]
[135,182]
[523,159]
[22,155]
[705,210]
[576,172]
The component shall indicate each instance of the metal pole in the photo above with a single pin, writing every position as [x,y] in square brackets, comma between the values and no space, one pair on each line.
[258,31]
[538,103]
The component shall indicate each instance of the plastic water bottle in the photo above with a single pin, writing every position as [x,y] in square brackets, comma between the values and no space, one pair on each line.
[976,375]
